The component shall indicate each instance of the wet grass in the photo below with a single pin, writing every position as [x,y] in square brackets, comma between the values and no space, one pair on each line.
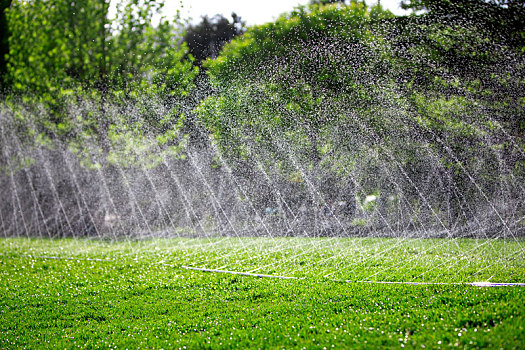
[137,296]
[355,259]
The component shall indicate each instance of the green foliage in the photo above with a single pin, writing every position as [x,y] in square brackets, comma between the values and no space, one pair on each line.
[53,47]
[4,41]
[463,83]
[266,44]
[503,19]
[279,81]
[71,69]
[132,146]
[327,94]
[349,91]
[73,43]
[147,59]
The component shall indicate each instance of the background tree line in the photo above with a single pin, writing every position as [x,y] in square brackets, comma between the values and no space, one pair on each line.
[313,114]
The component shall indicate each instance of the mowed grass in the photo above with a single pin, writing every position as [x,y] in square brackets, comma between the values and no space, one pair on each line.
[354,259]
[134,294]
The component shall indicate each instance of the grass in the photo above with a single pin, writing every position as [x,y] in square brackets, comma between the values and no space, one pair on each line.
[137,296]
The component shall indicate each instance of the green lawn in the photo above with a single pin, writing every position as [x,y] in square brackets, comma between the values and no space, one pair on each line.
[134,294]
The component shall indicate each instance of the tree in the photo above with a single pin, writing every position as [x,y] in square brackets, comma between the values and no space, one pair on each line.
[62,53]
[504,19]
[326,2]
[56,45]
[345,92]
[4,40]
[92,96]
[207,38]
[288,61]
[289,91]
